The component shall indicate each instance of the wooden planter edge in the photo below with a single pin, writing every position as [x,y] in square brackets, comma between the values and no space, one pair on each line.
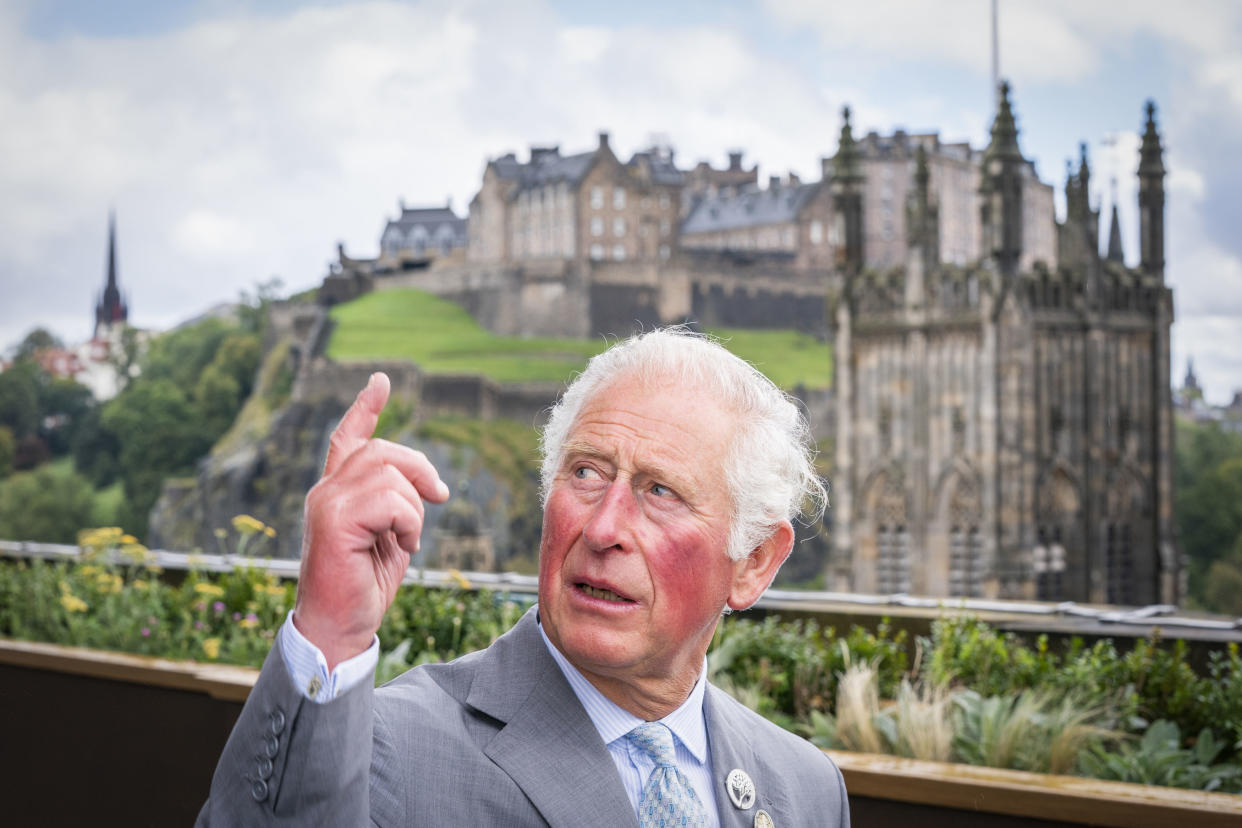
[1070,799]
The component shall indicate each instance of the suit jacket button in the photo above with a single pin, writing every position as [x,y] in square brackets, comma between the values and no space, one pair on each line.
[277,721]
[271,746]
[259,790]
[264,768]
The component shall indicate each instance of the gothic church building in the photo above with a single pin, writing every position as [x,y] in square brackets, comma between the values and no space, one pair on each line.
[1004,431]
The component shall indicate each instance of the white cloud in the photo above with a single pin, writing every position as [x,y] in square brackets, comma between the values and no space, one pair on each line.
[247,145]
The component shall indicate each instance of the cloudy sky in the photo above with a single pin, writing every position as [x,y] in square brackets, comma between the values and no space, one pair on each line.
[242,140]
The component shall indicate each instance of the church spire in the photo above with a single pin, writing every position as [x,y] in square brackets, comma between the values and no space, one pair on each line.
[111,309]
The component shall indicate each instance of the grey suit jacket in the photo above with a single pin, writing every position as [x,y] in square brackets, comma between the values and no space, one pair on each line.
[494,738]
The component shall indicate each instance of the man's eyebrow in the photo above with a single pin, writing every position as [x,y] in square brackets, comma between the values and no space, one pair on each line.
[581,448]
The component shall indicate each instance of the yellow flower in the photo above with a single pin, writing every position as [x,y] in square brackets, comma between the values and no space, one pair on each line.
[128,539]
[106,583]
[142,585]
[461,580]
[89,570]
[248,525]
[136,552]
[269,531]
[248,622]
[72,603]
[212,647]
[274,590]
[204,588]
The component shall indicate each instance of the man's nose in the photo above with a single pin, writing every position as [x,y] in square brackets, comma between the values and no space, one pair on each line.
[609,525]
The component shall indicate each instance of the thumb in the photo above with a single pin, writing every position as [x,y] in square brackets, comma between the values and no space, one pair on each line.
[358,424]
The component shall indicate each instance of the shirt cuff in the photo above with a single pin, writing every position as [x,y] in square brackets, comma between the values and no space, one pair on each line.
[308,668]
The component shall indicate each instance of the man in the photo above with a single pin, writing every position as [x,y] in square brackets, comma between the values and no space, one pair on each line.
[671,472]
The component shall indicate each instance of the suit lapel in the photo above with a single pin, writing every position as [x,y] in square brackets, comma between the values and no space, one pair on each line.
[730,747]
[549,745]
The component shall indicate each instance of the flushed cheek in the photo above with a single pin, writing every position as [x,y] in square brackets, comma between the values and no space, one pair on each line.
[691,582]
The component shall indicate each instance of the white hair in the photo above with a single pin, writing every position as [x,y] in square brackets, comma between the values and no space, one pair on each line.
[769,467]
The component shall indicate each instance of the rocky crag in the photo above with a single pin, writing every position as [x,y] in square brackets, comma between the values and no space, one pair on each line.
[275,452]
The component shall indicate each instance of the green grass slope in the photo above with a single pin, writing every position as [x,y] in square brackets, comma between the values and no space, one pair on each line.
[442,338]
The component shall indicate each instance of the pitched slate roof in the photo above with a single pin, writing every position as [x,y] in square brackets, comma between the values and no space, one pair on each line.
[663,170]
[749,208]
[439,225]
[547,166]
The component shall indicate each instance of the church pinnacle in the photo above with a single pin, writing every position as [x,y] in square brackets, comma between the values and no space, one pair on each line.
[111,309]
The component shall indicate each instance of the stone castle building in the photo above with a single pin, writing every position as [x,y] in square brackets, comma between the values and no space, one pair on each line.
[574,208]
[1003,425]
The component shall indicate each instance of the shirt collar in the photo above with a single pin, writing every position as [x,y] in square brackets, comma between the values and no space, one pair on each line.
[613,722]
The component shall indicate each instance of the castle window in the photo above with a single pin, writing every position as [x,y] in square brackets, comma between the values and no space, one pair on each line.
[597,252]
[1119,562]
[618,198]
[665,251]
[893,560]
[664,201]
[965,561]
[597,198]
[618,252]
[817,232]
[597,226]
[1048,564]
[618,226]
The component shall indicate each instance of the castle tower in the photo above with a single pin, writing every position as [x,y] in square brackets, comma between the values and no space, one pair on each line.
[1001,189]
[1151,198]
[111,309]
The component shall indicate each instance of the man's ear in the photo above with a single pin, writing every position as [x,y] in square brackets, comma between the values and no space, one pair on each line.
[755,572]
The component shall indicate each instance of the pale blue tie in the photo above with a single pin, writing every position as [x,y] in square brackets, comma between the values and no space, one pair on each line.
[668,799]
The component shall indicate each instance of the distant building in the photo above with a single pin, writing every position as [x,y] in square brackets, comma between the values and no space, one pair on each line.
[575,208]
[111,310]
[789,220]
[1189,402]
[706,180]
[955,173]
[423,233]
[1003,429]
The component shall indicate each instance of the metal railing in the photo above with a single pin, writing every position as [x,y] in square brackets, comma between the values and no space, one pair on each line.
[1165,616]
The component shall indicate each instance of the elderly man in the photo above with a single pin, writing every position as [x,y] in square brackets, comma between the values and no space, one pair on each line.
[671,472]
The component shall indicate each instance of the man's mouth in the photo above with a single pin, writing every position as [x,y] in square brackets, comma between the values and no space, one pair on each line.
[603,594]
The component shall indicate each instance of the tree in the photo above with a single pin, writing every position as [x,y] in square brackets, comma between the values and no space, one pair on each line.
[37,340]
[19,398]
[1208,503]
[161,434]
[46,505]
[8,451]
[96,449]
[63,404]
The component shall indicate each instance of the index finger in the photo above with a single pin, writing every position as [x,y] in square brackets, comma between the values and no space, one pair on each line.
[358,424]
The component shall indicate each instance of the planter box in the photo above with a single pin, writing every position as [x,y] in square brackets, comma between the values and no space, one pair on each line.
[96,737]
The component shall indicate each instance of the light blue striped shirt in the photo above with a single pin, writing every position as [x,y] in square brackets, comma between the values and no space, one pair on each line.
[687,722]
[308,669]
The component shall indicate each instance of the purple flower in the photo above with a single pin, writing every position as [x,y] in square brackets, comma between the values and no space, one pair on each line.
[146,631]
[218,606]
[250,616]
[199,625]
[237,616]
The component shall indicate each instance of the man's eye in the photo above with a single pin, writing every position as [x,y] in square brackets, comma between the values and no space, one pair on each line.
[660,490]
[584,472]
